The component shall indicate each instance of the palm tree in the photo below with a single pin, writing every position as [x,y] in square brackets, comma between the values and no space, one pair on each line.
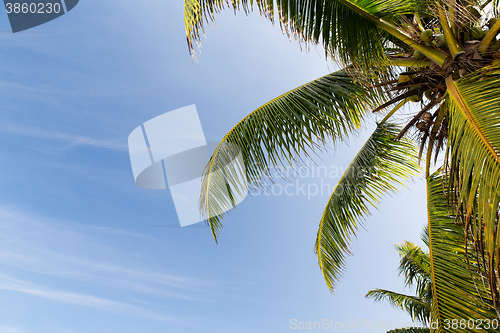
[447,279]
[415,267]
[442,56]
[455,292]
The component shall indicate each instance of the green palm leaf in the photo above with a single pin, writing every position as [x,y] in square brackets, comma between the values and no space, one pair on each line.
[416,307]
[414,265]
[348,29]
[474,154]
[457,284]
[278,133]
[379,165]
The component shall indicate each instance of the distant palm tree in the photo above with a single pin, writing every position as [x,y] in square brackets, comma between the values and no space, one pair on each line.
[447,279]
[416,269]
[438,54]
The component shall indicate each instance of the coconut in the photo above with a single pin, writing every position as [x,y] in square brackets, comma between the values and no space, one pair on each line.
[403,78]
[427,35]
[473,11]
[441,42]
[431,95]
[477,33]
[418,55]
[426,116]
[422,126]
[492,22]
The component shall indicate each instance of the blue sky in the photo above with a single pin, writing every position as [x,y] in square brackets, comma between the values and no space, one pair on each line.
[78,252]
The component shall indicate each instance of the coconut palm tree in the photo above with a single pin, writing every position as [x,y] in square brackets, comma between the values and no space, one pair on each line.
[442,56]
[415,267]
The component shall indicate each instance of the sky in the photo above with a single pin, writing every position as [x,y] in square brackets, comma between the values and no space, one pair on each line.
[84,249]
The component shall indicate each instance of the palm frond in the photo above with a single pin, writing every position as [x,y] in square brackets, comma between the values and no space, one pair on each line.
[346,28]
[494,3]
[457,283]
[416,307]
[380,165]
[474,155]
[414,265]
[280,132]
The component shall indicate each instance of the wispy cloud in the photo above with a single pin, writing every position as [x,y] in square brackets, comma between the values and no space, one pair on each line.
[68,139]
[9,329]
[28,88]
[95,255]
[9,283]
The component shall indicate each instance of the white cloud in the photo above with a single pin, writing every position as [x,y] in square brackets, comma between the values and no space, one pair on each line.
[69,140]
[9,329]
[95,255]
[9,283]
